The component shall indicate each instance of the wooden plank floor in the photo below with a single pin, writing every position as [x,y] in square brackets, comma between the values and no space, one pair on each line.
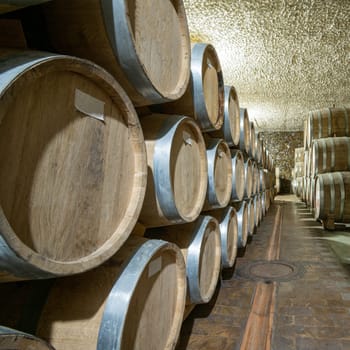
[308,309]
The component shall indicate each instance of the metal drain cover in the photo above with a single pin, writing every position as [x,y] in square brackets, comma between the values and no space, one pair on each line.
[269,271]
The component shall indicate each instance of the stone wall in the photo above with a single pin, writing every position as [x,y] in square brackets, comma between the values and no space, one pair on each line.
[281,146]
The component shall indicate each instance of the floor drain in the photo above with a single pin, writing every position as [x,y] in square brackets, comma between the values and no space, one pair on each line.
[270,271]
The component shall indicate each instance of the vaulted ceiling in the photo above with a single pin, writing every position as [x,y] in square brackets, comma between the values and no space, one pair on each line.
[284,57]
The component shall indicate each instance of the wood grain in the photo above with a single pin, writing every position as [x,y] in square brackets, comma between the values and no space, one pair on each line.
[203,99]
[184,155]
[75,312]
[161,48]
[207,254]
[65,173]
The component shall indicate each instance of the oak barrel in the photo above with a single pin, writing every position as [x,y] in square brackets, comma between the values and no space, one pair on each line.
[11,339]
[307,160]
[204,99]
[237,175]
[200,244]
[230,130]
[330,154]
[261,207]
[258,148]
[299,154]
[242,219]
[244,139]
[259,143]
[307,184]
[256,178]
[177,170]
[332,196]
[263,203]
[305,141]
[251,216]
[268,199]
[148,55]
[248,178]
[115,306]
[262,181]
[73,165]
[227,219]
[297,186]
[299,169]
[312,189]
[252,147]
[257,209]
[264,154]
[219,174]
[328,122]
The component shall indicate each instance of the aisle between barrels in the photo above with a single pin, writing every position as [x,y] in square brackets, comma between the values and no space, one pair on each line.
[288,290]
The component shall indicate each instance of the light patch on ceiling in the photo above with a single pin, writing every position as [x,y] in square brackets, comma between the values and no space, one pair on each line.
[284,57]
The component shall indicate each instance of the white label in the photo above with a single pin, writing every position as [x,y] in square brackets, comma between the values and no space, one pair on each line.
[187,138]
[209,64]
[89,105]
[154,266]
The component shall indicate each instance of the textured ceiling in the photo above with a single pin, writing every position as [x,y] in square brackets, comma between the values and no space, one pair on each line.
[285,57]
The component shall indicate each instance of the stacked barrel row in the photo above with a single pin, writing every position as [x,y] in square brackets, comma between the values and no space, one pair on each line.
[127,163]
[298,172]
[326,181]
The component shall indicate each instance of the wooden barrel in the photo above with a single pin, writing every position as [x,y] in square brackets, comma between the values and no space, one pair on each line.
[251,216]
[303,193]
[219,174]
[257,149]
[261,207]
[256,178]
[230,130]
[238,178]
[10,5]
[312,189]
[306,134]
[252,147]
[332,196]
[262,180]
[263,203]
[204,99]
[248,178]
[297,186]
[149,56]
[306,163]
[228,223]
[307,183]
[242,219]
[270,162]
[115,306]
[328,122]
[244,138]
[11,339]
[299,169]
[265,156]
[200,244]
[299,155]
[268,199]
[330,154]
[257,209]
[73,172]
[177,170]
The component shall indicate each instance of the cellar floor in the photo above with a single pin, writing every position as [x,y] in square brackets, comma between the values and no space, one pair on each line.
[289,289]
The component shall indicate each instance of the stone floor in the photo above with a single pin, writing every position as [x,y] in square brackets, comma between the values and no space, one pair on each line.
[310,308]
